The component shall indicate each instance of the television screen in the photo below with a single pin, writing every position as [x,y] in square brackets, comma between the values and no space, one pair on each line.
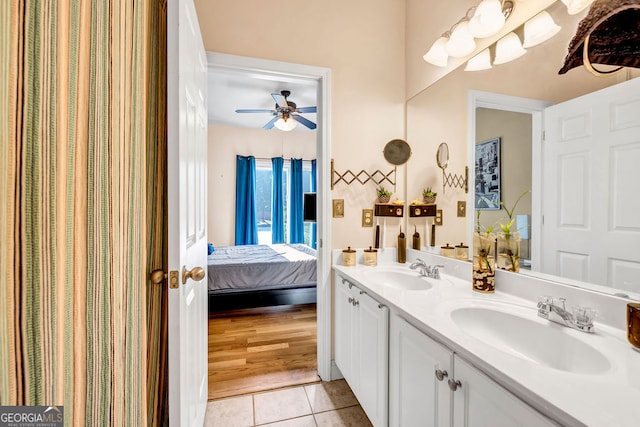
[309,207]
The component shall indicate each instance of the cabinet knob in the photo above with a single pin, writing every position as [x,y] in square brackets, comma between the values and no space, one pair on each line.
[355,302]
[351,300]
[441,374]
[453,385]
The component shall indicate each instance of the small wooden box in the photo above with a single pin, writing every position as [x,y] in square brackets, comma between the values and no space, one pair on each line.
[422,210]
[387,209]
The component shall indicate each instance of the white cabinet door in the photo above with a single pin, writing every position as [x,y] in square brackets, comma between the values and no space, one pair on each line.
[345,328]
[373,360]
[416,396]
[480,402]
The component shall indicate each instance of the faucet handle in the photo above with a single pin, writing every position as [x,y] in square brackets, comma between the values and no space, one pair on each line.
[435,272]
[584,315]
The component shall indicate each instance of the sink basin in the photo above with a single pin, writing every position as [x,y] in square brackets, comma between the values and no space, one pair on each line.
[543,344]
[398,279]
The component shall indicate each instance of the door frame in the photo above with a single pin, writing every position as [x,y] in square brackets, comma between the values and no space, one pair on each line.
[322,76]
[535,107]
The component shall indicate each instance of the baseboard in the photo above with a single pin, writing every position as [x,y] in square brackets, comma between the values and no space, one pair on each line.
[335,371]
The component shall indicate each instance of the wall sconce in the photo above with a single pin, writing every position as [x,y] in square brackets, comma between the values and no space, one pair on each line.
[461,42]
[488,18]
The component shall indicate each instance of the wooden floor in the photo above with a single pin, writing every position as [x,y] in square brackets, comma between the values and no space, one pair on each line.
[261,349]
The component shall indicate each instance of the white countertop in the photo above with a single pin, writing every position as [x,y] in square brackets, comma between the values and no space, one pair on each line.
[610,397]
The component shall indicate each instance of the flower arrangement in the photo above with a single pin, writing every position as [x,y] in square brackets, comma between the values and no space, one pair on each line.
[384,195]
[428,195]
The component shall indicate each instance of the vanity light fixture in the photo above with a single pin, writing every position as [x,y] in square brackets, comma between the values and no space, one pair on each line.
[508,48]
[482,61]
[538,29]
[489,17]
[576,6]
[480,21]
[285,124]
[438,55]
[461,42]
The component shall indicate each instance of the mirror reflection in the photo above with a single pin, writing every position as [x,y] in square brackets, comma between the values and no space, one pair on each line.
[533,76]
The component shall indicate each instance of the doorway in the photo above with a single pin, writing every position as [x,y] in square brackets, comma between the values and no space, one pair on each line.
[321,76]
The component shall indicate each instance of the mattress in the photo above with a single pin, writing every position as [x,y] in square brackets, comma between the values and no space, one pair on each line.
[261,267]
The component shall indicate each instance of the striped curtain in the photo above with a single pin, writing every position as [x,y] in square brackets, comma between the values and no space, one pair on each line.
[82,135]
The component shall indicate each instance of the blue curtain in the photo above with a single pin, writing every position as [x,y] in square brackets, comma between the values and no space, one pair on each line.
[246,224]
[313,190]
[296,216]
[277,201]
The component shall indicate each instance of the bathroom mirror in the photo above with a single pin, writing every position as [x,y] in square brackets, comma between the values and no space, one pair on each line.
[442,156]
[397,152]
[533,76]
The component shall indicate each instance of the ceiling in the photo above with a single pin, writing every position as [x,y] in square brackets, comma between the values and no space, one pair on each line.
[230,89]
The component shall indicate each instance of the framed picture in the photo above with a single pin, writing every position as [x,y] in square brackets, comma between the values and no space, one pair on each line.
[338,208]
[488,175]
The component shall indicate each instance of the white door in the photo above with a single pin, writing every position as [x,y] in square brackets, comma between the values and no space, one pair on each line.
[590,197]
[186,174]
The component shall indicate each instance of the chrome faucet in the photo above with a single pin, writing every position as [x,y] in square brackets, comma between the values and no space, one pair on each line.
[581,318]
[430,271]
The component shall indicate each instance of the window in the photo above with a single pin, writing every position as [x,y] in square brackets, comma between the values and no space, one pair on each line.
[264,184]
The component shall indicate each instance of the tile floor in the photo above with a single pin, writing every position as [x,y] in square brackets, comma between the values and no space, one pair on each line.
[314,405]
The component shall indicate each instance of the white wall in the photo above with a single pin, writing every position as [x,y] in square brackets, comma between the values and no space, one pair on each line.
[225,143]
[362,42]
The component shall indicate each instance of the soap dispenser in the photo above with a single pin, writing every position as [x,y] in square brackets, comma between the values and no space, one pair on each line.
[402,247]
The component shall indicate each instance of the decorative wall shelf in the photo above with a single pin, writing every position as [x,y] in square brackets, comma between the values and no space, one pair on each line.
[389,209]
[456,181]
[363,176]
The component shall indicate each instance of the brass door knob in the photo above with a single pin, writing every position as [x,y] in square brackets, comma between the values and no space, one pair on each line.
[157,276]
[196,274]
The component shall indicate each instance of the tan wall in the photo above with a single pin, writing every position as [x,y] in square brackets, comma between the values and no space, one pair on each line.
[362,42]
[514,129]
[225,142]
[439,113]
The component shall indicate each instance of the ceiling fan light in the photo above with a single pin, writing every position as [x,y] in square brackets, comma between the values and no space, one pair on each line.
[482,61]
[539,29]
[460,41]
[508,48]
[487,19]
[285,124]
[576,6]
[437,55]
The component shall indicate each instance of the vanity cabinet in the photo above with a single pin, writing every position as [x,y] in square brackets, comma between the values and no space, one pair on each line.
[432,386]
[417,397]
[361,333]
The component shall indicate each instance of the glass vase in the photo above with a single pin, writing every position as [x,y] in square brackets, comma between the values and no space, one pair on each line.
[484,272]
[509,251]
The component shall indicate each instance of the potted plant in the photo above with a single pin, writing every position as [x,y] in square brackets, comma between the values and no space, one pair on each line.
[484,239]
[509,241]
[429,196]
[384,195]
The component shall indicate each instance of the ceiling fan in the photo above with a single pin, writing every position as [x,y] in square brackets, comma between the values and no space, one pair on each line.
[285,113]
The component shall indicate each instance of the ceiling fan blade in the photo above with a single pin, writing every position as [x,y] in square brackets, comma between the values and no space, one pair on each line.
[255,111]
[271,122]
[307,110]
[308,123]
[280,100]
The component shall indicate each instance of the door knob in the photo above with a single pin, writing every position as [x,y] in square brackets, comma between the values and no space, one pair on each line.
[196,274]
[158,277]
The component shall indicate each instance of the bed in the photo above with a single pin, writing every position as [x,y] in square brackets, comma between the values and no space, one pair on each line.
[261,275]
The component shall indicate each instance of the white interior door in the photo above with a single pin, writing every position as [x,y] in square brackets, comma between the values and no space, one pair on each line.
[187,210]
[591,158]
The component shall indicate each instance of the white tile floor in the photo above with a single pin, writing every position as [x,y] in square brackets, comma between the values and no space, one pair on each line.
[313,405]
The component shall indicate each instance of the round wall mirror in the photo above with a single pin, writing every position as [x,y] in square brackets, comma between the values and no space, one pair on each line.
[397,152]
[442,156]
